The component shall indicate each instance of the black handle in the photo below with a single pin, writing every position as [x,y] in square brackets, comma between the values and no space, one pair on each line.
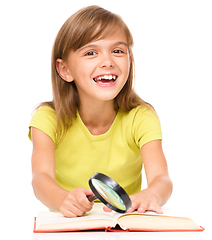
[91,198]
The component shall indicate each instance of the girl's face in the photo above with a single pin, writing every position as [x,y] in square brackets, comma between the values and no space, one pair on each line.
[99,69]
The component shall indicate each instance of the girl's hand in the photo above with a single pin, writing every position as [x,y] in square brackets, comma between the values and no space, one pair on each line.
[76,204]
[143,201]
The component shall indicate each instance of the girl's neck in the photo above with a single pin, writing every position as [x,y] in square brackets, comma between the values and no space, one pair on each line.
[98,118]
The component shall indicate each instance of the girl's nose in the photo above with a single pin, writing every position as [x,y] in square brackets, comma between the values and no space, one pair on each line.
[107,62]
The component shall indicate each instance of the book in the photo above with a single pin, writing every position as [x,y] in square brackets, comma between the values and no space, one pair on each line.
[97,219]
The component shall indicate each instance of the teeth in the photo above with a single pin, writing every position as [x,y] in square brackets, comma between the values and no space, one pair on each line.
[106,77]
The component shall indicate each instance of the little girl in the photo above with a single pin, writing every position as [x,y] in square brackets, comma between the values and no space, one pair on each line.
[96,122]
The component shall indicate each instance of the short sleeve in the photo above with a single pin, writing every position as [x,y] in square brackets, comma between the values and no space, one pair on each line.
[146,126]
[45,120]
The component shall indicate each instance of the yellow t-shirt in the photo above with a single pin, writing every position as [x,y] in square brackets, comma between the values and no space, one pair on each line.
[115,153]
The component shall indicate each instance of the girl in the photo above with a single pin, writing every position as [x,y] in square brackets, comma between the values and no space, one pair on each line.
[96,122]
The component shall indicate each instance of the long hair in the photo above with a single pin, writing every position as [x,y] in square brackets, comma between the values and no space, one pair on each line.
[86,25]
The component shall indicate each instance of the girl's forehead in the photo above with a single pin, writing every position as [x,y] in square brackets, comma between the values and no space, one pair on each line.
[110,32]
[118,36]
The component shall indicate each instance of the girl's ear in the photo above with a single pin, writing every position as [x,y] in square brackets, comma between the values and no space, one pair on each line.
[63,71]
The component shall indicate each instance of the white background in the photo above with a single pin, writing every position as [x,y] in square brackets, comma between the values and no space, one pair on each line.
[173,57]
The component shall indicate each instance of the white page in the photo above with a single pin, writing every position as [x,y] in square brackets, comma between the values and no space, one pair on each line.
[56,217]
[167,211]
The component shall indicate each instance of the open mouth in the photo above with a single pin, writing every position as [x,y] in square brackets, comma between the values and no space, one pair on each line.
[105,79]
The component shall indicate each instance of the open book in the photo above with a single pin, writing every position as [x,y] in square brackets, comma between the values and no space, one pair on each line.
[98,219]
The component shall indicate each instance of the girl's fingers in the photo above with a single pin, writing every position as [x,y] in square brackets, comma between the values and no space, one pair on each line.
[144,201]
[145,206]
[150,206]
[107,209]
[88,192]
[76,203]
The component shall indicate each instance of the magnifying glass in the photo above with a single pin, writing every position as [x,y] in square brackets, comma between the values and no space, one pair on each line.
[109,192]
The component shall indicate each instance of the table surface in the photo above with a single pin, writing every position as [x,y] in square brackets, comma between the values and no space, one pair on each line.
[122,236]
[27,233]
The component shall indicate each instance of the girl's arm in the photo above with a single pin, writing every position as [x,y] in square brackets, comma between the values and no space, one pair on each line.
[159,184]
[71,204]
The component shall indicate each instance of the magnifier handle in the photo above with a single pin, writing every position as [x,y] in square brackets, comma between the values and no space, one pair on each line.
[91,198]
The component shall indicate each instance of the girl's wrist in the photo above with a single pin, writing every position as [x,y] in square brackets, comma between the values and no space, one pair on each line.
[61,197]
[154,196]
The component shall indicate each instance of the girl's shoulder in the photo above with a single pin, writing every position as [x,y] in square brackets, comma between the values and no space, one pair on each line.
[144,125]
[44,111]
[44,118]
[44,114]
[141,112]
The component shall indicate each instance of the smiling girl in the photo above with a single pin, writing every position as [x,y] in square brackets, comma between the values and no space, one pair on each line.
[96,122]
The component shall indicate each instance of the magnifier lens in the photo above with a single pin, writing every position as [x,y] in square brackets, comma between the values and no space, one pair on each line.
[108,194]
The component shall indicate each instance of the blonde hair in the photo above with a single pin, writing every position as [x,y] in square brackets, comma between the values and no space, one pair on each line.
[86,25]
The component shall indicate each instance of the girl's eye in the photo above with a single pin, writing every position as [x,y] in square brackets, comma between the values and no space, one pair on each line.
[117,51]
[91,53]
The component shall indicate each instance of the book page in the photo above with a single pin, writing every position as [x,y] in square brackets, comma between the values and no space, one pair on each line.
[96,213]
[169,212]
[169,220]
